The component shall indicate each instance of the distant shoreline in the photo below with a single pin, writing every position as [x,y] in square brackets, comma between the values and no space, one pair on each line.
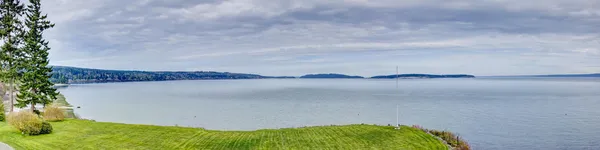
[82,83]
[74,75]
[478,77]
[548,76]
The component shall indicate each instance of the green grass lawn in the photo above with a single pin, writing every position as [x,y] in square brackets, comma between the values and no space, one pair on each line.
[82,134]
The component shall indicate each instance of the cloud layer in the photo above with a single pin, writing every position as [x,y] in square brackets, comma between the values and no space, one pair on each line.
[362,37]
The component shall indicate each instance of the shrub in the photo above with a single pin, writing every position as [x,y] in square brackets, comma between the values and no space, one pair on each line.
[450,138]
[53,113]
[37,112]
[2,115]
[28,123]
[46,128]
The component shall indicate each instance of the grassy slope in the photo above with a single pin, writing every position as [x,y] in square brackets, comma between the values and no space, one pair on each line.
[80,134]
[61,101]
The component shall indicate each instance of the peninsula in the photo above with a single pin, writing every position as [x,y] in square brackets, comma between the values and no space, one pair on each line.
[64,74]
[330,76]
[422,76]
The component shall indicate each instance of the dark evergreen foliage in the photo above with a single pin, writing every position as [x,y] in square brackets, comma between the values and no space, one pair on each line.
[423,76]
[11,34]
[278,77]
[63,74]
[46,128]
[2,114]
[35,87]
[330,75]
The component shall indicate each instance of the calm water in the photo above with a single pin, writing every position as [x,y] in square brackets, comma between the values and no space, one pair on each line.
[489,113]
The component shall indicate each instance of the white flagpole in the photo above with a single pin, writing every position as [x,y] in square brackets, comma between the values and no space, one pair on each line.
[397,118]
[397,109]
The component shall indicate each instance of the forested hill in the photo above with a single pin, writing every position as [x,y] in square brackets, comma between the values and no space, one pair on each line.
[62,74]
[423,76]
[329,76]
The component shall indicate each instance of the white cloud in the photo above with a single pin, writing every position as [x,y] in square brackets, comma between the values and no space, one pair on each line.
[363,37]
[231,8]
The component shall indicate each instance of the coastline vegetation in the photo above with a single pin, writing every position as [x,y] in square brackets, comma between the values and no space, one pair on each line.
[61,101]
[62,74]
[450,138]
[53,113]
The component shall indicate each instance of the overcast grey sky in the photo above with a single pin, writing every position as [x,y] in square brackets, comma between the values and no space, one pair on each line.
[360,37]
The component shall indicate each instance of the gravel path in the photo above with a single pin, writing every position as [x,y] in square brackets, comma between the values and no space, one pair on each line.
[5,147]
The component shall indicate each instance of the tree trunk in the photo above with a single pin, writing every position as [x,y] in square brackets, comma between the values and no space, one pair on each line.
[32,107]
[12,83]
[10,93]
[10,65]
[32,101]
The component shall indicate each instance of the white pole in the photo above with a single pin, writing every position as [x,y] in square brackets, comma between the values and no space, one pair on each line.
[397,118]
[397,113]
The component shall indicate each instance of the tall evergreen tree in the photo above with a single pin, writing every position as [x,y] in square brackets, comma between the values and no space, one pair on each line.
[11,34]
[35,87]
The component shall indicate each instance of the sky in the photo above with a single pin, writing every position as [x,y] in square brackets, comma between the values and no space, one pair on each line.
[357,37]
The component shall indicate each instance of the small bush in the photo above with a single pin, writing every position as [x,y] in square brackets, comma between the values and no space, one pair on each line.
[2,115]
[37,112]
[28,123]
[420,128]
[46,128]
[53,113]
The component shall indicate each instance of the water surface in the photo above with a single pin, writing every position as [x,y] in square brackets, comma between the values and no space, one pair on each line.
[490,113]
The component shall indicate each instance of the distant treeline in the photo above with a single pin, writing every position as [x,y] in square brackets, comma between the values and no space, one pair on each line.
[423,76]
[330,75]
[62,74]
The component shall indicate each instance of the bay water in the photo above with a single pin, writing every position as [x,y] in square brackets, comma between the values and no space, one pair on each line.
[490,113]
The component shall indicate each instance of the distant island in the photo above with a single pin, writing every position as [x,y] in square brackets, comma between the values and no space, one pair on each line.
[63,74]
[422,76]
[330,76]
